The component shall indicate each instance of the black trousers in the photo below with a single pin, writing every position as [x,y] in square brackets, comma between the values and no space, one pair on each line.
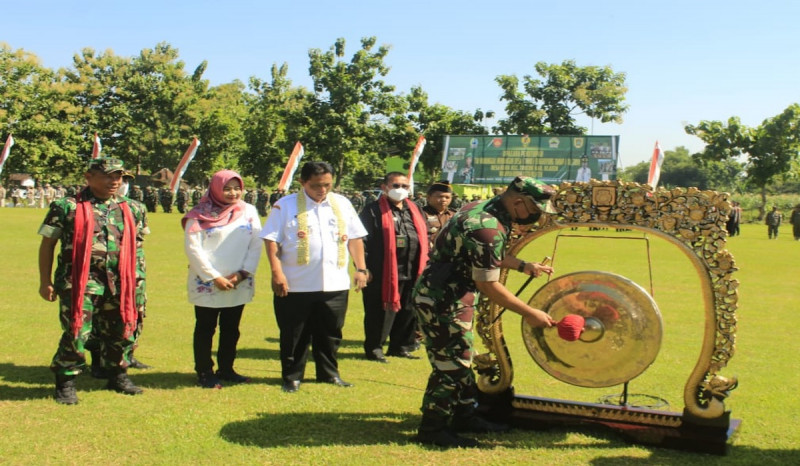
[316,319]
[204,328]
[379,324]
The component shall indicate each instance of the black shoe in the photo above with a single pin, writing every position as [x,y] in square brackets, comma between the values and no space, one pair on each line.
[120,383]
[66,394]
[377,355]
[477,425]
[402,354]
[290,386]
[444,438]
[136,364]
[232,377]
[337,381]
[208,380]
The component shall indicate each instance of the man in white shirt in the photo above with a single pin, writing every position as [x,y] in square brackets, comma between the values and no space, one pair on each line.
[584,173]
[309,237]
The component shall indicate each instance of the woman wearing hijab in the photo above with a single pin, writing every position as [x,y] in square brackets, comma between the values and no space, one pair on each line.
[223,247]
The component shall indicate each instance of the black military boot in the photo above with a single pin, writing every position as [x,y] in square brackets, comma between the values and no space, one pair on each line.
[433,431]
[120,383]
[136,364]
[466,419]
[65,390]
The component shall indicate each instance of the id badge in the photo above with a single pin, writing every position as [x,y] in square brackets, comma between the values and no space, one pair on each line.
[401,241]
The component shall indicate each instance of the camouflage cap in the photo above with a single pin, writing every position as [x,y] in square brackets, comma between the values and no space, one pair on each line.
[128,175]
[540,193]
[106,165]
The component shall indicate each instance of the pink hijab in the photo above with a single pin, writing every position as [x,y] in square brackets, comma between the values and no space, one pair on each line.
[212,210]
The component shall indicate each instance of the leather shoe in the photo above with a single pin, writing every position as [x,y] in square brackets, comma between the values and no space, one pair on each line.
[377,356]
[290,386]
[402,354]
[338,382]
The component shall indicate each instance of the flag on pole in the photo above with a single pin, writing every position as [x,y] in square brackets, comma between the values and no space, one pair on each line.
[187,157]
[414,159]
[655,166]
[291,167]
[6,150]
[96,146]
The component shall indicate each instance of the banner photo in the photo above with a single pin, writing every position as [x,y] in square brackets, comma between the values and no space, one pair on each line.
[551,159]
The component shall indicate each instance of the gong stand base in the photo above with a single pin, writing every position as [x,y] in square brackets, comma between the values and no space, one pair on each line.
[641,426]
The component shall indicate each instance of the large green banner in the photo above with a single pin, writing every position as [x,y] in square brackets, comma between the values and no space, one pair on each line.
[552,159]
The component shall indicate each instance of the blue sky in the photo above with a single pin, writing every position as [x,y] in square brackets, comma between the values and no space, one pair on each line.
[685,61]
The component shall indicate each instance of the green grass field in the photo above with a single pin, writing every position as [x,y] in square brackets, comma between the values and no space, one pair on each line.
[176,422]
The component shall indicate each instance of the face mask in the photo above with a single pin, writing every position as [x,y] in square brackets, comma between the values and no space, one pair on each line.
[123,189]
[397,194]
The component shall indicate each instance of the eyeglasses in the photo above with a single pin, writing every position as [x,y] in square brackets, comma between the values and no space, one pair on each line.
[398,186]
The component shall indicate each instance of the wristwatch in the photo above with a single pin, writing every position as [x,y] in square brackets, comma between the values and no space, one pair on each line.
[364,271]
[521,266]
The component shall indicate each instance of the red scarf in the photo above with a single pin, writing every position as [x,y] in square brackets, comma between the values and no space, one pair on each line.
[390,292]
[82,258]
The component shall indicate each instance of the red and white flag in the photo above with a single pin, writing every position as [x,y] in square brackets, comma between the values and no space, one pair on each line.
[6,150]
[96,146]
[655,166]
[184,163]
[291,167]
[414,159]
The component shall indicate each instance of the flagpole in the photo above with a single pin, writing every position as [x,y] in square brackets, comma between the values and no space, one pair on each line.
[291,166]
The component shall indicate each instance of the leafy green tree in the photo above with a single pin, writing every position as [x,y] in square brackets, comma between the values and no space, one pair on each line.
[771,149]
[34,107]
[221,115]
[435,122]
[550,105]
[350,104]
[277,115]
[161,98]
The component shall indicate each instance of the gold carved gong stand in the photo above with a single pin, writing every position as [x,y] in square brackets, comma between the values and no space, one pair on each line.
[623,321]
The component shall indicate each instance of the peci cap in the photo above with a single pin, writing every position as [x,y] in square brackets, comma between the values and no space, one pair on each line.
[540,193]
[440,186]
[106,165]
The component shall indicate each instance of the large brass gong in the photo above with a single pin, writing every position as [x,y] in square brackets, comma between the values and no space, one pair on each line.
[621,337]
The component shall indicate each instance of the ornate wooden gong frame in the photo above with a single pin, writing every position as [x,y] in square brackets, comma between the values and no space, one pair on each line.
[694,221]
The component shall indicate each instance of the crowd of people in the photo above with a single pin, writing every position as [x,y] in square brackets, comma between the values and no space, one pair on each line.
[417,261]
[417,266]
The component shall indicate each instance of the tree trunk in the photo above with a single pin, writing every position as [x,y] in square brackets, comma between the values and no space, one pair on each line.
[762,209]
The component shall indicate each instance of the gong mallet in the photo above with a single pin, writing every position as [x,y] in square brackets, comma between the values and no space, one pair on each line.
[544,261]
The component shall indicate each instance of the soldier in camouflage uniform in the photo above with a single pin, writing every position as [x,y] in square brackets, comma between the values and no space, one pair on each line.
[467,256]
[358,201]
[165,197]
[137,194]
[182,200]
[262,198]
[150,198]
[101,266]
[457,202]
[250,197]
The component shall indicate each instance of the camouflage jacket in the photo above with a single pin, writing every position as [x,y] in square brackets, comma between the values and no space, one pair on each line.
[108,227]
[470,247]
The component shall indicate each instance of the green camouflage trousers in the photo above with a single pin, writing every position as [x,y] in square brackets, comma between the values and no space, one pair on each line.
[449,343]
[102,330]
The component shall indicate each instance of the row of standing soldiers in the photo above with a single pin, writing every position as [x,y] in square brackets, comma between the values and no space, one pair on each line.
[260,198]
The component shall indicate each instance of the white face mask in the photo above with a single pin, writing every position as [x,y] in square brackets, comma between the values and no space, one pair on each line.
[397,194]
[123,189]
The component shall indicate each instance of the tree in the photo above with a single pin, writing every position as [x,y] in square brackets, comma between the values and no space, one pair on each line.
[35,107]
[277,116]
[772,148]
[435,122]
[161,98]
[550,105]
[349,105]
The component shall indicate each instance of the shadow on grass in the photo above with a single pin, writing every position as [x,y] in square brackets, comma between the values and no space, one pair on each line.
[345,343]
[271,430]
[736,455]
[42,381]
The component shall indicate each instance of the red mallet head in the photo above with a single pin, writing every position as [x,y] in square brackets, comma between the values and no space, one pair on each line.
[570,327]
